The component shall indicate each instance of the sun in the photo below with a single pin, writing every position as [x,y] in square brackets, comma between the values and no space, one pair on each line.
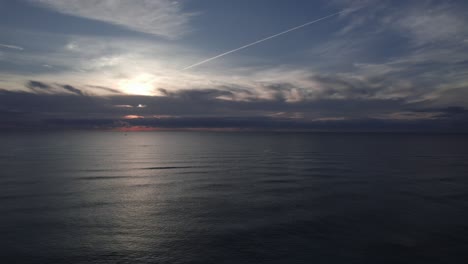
[138,88]
[142,84]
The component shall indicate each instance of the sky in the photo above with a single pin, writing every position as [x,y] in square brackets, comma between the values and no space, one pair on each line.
[367,65]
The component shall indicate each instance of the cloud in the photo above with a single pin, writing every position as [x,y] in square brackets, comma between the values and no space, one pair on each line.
[431,24]
[105,89]
[133,117]
[159,17]
[123,106]
[38,85]
[72,89]
[42,87]
[421,22]
[106,62]
[11,47]
[205,109]
[416,77]
[452,112]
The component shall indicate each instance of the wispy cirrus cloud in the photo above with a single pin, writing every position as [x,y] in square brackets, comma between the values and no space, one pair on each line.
[159,17]
[431,24]
[422,22]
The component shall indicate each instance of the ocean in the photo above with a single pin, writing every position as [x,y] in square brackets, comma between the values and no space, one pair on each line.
[239,197]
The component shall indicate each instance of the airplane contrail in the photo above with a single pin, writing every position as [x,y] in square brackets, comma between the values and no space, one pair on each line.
[265,39]
[11,47]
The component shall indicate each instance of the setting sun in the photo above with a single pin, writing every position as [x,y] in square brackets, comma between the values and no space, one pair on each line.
[140,85]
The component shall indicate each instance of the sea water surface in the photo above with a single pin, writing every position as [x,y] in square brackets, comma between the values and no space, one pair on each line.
[190,197]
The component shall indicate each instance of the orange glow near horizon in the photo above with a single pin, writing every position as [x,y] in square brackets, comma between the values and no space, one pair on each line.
[154,129]
[133,117]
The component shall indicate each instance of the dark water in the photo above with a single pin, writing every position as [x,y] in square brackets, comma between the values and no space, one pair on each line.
[233,198]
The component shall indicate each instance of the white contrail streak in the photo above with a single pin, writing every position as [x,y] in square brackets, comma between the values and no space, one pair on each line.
[11,47]
[265,39]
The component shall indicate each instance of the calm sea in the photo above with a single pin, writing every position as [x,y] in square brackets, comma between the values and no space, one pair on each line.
[188,197]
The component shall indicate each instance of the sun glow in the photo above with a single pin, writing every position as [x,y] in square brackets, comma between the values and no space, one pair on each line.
[141,85]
